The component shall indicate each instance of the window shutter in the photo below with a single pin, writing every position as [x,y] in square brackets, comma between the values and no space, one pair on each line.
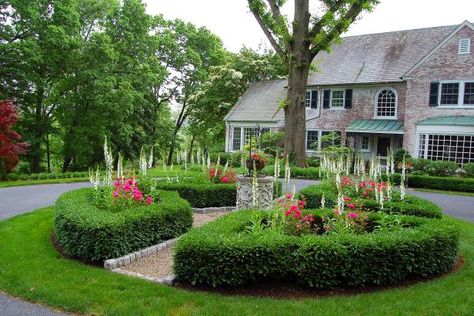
[434,89]
[314,99]
[348,101]
[326,98]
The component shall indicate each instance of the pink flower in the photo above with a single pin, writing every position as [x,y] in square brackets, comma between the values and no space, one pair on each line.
[301,203]
[297,214]
[337,212]
[347,198]
[351,206]
[289,196]
[116,194]
[288,213]
[126,187]
[149,200]
[224,179]
[293,208]
[353,215]
[280,200]
[116,184]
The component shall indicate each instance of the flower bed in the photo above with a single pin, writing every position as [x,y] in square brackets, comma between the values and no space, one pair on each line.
[411,205]
[228,253]
[92,233]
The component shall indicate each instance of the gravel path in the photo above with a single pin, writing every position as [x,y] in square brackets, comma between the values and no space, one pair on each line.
[160,264]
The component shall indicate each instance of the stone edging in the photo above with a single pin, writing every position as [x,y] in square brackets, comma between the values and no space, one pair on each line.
[214,209]
[112,264]
[116,263]
[169,280]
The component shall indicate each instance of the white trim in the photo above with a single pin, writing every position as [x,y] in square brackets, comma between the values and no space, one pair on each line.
[444,41]
[445,129]
[468,43]
[461,88]
[376,104]
[343,100]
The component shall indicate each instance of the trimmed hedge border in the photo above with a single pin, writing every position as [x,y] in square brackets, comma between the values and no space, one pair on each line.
[221,254]
[203,195]
[412,205]
[43,176]
[91,234]
[441,183]
[310,173]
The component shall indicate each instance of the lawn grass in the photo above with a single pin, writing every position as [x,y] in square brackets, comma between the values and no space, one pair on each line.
[6,184]
[444,192]
[32,269]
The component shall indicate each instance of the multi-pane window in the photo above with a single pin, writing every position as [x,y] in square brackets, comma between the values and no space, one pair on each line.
[312,140]
[386,103]
[469,93]
[308,99]
[236,139]
[458,148]
[250,132]
[364,143]
[449,93]
[337,98]
[421,146]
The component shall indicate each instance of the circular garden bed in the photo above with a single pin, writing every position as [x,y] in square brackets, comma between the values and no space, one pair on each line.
[91,233]
[243,247]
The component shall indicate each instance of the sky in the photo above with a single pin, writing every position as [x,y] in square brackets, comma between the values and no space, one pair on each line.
[232,21]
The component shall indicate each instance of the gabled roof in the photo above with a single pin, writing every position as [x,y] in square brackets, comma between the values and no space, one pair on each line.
[376,58]
[260,102]
[440,44]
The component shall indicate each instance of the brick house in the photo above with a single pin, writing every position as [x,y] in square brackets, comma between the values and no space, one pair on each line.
[412,89]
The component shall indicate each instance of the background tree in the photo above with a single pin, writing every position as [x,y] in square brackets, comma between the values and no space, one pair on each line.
[10,146]
[297,43]
[37,38]
[226,83]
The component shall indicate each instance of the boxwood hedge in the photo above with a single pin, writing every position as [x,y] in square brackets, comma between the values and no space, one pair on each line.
[411,205]
[223,254]
[202,193]
[92,234]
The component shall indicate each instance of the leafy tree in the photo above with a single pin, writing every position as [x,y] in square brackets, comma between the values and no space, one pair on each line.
[297,43]
[226,83]
[186,54]
[37,38]
[10,147]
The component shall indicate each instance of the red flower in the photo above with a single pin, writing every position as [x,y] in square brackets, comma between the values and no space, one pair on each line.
[224,179]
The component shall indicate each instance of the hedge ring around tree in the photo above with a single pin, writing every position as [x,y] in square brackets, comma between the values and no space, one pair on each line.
[223,253]
[92,234]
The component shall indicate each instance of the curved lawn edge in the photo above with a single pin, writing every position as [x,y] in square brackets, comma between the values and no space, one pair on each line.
[31,268]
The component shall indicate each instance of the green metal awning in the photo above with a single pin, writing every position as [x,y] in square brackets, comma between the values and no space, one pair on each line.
[376,126]
[449,120]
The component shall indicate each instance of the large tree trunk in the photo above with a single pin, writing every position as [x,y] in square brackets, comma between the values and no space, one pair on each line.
[38,132]
[298,66]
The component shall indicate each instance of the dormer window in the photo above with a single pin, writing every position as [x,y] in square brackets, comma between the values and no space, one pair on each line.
[386,104]
[464,46]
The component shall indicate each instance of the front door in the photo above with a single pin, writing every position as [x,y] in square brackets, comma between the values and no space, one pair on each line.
[383,143]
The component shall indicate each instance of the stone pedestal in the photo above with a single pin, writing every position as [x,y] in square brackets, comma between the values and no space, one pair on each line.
[245,193]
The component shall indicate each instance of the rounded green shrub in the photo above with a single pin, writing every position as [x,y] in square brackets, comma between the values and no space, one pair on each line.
[223,253]
[92,234]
